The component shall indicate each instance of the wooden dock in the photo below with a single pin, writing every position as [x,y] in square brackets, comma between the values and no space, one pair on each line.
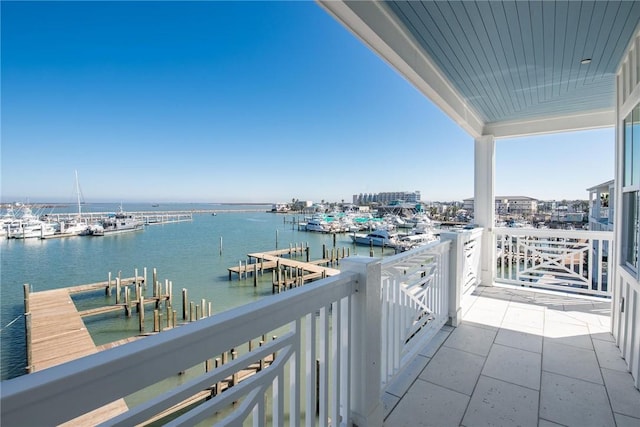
[58,335]
[274,260]
[287,262]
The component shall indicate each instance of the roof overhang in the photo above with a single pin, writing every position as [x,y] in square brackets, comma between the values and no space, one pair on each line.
[505,69]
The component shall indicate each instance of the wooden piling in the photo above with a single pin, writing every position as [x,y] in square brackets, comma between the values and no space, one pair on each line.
[255,275]
[108,289]
[261,361]
[155,277]
[27,328]
[221,245]
[184,304]
[218,384]
[138,291]
[234,377]
[156,321]
[141,313]
[273,355]
[118,289]
[127,302]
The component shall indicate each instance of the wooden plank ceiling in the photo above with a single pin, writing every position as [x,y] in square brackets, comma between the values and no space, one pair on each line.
[506,61]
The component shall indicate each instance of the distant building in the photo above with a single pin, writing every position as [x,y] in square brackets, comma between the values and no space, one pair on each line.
[509,205]
[280,207]
[387,198]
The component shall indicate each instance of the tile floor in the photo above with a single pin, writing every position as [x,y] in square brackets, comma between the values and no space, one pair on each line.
[519,358]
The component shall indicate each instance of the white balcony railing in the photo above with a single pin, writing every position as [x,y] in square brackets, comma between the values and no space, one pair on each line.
[338,342]
[560,260]
[415,298]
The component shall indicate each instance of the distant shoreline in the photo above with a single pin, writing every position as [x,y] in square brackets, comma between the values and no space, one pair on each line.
[154,204]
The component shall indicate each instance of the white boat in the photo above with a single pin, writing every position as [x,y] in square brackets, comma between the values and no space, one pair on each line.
[117,223]
[29,226]
[5,221]
[78,225]
[317,224]
[411,241]
[379,237]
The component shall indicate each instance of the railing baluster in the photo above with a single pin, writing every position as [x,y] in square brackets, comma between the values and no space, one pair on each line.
[277,392]
[336,328]
[295,374]
[310,369]
[345,354]
[324,368]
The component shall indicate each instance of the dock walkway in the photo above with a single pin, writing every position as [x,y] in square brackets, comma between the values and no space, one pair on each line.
[59,335]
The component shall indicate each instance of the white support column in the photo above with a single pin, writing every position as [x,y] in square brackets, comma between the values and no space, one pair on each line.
[456,273]
[366,342]
[484,204]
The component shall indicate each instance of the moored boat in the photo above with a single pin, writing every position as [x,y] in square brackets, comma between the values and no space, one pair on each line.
[117,223]
[317,224]
[379,237]
[28,226]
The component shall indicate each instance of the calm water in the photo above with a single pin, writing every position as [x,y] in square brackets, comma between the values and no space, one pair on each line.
[186,253]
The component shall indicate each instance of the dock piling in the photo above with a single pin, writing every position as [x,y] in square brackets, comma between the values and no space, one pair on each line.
[155,278]
[118,289]
[184,304]
[255,275]
[156,321]
[27,327]
[141,313]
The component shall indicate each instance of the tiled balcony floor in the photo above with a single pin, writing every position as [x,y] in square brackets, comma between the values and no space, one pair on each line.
[519,358]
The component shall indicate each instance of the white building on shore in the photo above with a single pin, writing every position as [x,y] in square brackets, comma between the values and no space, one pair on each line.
[509,205]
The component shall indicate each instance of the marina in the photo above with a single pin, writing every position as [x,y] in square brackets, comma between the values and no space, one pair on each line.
[190,253]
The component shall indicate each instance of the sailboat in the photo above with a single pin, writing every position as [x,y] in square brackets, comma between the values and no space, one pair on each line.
[78,225]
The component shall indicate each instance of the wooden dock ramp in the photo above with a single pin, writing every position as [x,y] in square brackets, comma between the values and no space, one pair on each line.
[58,335]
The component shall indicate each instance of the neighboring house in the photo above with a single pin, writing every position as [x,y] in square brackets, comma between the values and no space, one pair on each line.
[601,204]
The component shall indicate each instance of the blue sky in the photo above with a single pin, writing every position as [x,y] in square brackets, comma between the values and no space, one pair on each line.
[238,101]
